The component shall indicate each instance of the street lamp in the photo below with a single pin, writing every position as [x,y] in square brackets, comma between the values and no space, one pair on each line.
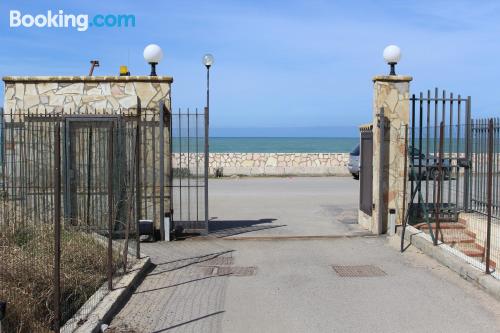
[208,61]
[392,55]
[153,55]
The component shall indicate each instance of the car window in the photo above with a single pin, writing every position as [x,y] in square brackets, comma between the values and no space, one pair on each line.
[355,151]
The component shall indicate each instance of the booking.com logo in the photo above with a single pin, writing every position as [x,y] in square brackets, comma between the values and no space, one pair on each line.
[80,22]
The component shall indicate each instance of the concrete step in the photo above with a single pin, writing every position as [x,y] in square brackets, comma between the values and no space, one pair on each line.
[457,236]
[451,236]
[443,225]
[470,249]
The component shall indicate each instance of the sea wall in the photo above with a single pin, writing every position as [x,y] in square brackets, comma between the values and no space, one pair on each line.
[270,164]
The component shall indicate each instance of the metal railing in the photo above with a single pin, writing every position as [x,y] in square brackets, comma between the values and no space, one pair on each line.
[73,188]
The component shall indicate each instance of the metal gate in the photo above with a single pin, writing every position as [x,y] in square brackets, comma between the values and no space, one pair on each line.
[99,172]
[439,156]
[366,171]
[189,176]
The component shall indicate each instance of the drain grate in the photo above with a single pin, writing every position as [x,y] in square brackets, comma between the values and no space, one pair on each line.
[227,270]
[236,271]
[358,271]
[218,261]
[207,271]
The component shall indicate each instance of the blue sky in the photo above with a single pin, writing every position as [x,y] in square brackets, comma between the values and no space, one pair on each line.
[277,63]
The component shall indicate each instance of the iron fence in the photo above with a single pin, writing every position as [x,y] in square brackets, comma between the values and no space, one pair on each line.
[479,159]
[73,189]
[429,112]
[453,174]
[77,190]
[189,184]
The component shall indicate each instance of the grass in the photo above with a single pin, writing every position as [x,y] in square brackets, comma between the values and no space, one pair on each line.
[27,274]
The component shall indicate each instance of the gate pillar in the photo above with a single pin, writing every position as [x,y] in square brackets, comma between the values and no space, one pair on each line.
[391,97]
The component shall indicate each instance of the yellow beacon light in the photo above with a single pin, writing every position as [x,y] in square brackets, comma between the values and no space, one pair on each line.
[124,71]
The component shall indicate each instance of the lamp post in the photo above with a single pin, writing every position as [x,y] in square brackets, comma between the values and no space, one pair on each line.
[208,61]
[392,55]
[153,55]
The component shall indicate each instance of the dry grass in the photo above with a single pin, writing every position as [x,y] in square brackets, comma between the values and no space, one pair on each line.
[27,273]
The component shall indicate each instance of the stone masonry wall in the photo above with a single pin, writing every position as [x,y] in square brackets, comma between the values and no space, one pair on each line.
[267,164]
[84,93]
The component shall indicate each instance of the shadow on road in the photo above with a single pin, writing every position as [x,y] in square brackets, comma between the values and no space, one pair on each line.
[224,228]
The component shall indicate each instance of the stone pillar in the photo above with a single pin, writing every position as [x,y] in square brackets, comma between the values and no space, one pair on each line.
[392,94]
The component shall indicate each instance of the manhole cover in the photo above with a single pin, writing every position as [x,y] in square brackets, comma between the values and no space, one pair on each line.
[218,261]
[358,271]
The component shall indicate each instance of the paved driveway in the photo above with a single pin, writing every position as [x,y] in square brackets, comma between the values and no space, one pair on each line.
[283,285]
[299,206]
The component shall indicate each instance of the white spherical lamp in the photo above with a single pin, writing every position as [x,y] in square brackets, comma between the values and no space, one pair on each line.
[392,55]
[208,60]
[153,55]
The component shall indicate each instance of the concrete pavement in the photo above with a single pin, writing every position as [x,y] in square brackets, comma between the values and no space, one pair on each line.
[288,206]
[251,285]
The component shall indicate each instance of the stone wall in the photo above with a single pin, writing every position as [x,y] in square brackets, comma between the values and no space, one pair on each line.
[270,164]
[84,93]
[89,95]
[392,94]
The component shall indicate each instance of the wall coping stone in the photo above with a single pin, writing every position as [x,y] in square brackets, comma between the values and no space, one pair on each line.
[392,78]
[136,78]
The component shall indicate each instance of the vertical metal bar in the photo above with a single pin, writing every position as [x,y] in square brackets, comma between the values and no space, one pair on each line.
[170,164]
[3,161]
[412,148]
[468,146]
[67,171]
[482,164]
[207,156]
[188,170]
[57,227]
[197,169]
[381,172]
[110,206]
[403,222]
[145,164]
[476,163]
[496,159]
[443,120]
[89,172]
[420,143]
[427,140]
[179,168]
[489,193]
[450,149]
[137,162]
[165,234]
[435,146]
[153,175]
[437,204]
[457,175]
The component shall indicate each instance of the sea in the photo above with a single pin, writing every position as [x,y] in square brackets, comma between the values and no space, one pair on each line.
[274,145]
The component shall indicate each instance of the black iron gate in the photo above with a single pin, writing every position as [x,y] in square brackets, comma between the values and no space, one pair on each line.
[189,176]
[439,156]
[99,170]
